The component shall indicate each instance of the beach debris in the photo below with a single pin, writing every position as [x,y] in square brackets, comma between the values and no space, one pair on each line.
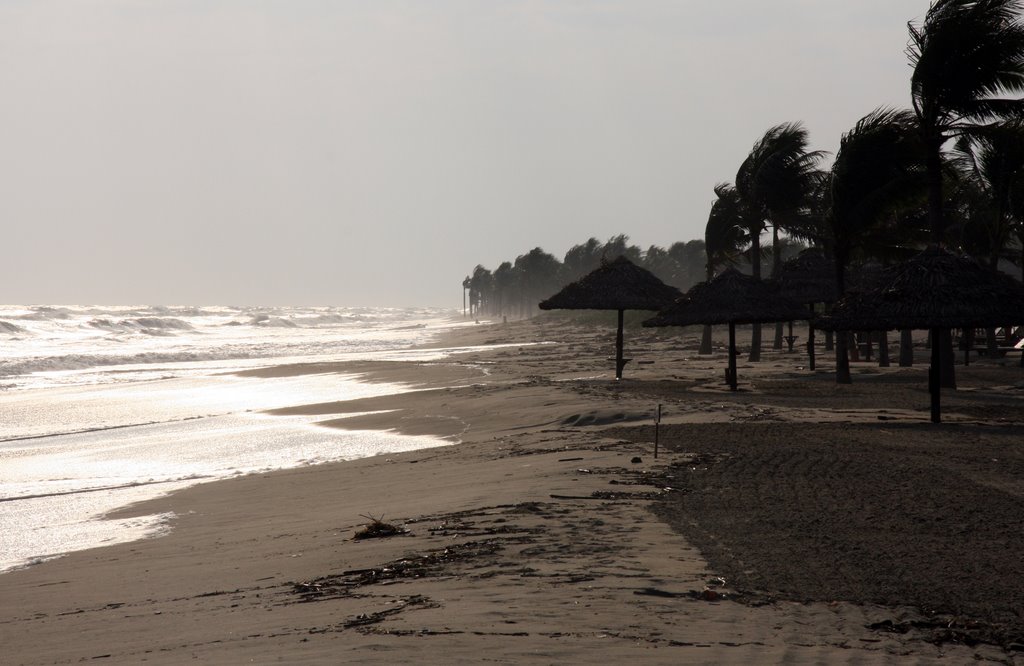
[431,563]
[706,594]
[636,460]
[377,529]
[416,600]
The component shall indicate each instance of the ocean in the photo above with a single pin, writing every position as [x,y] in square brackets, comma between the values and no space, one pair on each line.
[102,407]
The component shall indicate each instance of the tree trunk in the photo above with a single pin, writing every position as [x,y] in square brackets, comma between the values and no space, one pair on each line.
[776,265]
[947,375]
[943,340]
[934,385]
[755,333]
[991,342]
[705,341]
[842,360]
[732,356]
[618,349]
[906,348]
[883,349]
[810,341]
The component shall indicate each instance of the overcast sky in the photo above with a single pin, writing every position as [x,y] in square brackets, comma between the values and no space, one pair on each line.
[372,153]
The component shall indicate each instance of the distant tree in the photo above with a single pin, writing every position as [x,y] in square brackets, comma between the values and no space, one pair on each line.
[581,259]
[690,259]
[539,272]
[465,288]
[658,261]
[481,288]
[617,246]
[504,283]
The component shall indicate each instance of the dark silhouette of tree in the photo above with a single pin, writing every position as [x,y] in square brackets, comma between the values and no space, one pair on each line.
[877,172]
[538,277]
[618,246]
[481,289]
[989,195]
[967,56]
[504,284]
[775,186]
[690,258]
[725,235]
[581,259]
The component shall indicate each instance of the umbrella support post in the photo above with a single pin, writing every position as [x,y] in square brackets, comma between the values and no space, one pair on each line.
[934,383]
[618,349]
[731,372]
[810,340]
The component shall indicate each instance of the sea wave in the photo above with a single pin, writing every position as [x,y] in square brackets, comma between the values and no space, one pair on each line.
[9,328]
[148,325]
[68,362]
[273,322]
[45,313]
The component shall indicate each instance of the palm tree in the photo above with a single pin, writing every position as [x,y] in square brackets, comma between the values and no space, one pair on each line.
[966,55]
[689,257]
[877,172]
[775,184]
[724,238]
[504,281]
[539,272]
[990,163]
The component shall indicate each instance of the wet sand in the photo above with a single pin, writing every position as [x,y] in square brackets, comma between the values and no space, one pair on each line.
[794,521]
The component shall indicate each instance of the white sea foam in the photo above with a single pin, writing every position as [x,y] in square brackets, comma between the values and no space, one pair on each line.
[105,406]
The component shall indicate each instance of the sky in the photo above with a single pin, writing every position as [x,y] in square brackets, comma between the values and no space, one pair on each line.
[351,153]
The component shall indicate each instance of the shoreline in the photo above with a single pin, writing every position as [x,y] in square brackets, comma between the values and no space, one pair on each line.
[531,541]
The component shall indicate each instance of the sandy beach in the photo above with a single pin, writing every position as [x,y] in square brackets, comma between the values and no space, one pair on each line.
[794,521]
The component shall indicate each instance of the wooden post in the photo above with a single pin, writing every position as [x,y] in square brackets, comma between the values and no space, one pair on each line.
[657,423]
[732,355]
[810,339]
[618,350]
[934,377]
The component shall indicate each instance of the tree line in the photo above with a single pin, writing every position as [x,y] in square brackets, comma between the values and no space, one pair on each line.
[948,171]
[515,287]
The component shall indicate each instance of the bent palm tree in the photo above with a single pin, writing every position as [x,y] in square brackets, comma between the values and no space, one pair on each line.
[877,172]
[990,162]
[967,55]
[774,185]
[723,240]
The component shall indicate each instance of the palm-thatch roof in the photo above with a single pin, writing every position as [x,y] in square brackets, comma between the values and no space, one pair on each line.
[810,277]
[615,285]
[935,289]
[732,297]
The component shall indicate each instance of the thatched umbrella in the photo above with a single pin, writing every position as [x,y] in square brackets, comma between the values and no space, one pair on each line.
[934,290]
[808,278]
[731,298]
[616,285]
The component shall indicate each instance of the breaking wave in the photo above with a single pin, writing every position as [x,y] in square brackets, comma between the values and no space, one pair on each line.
[8,327]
